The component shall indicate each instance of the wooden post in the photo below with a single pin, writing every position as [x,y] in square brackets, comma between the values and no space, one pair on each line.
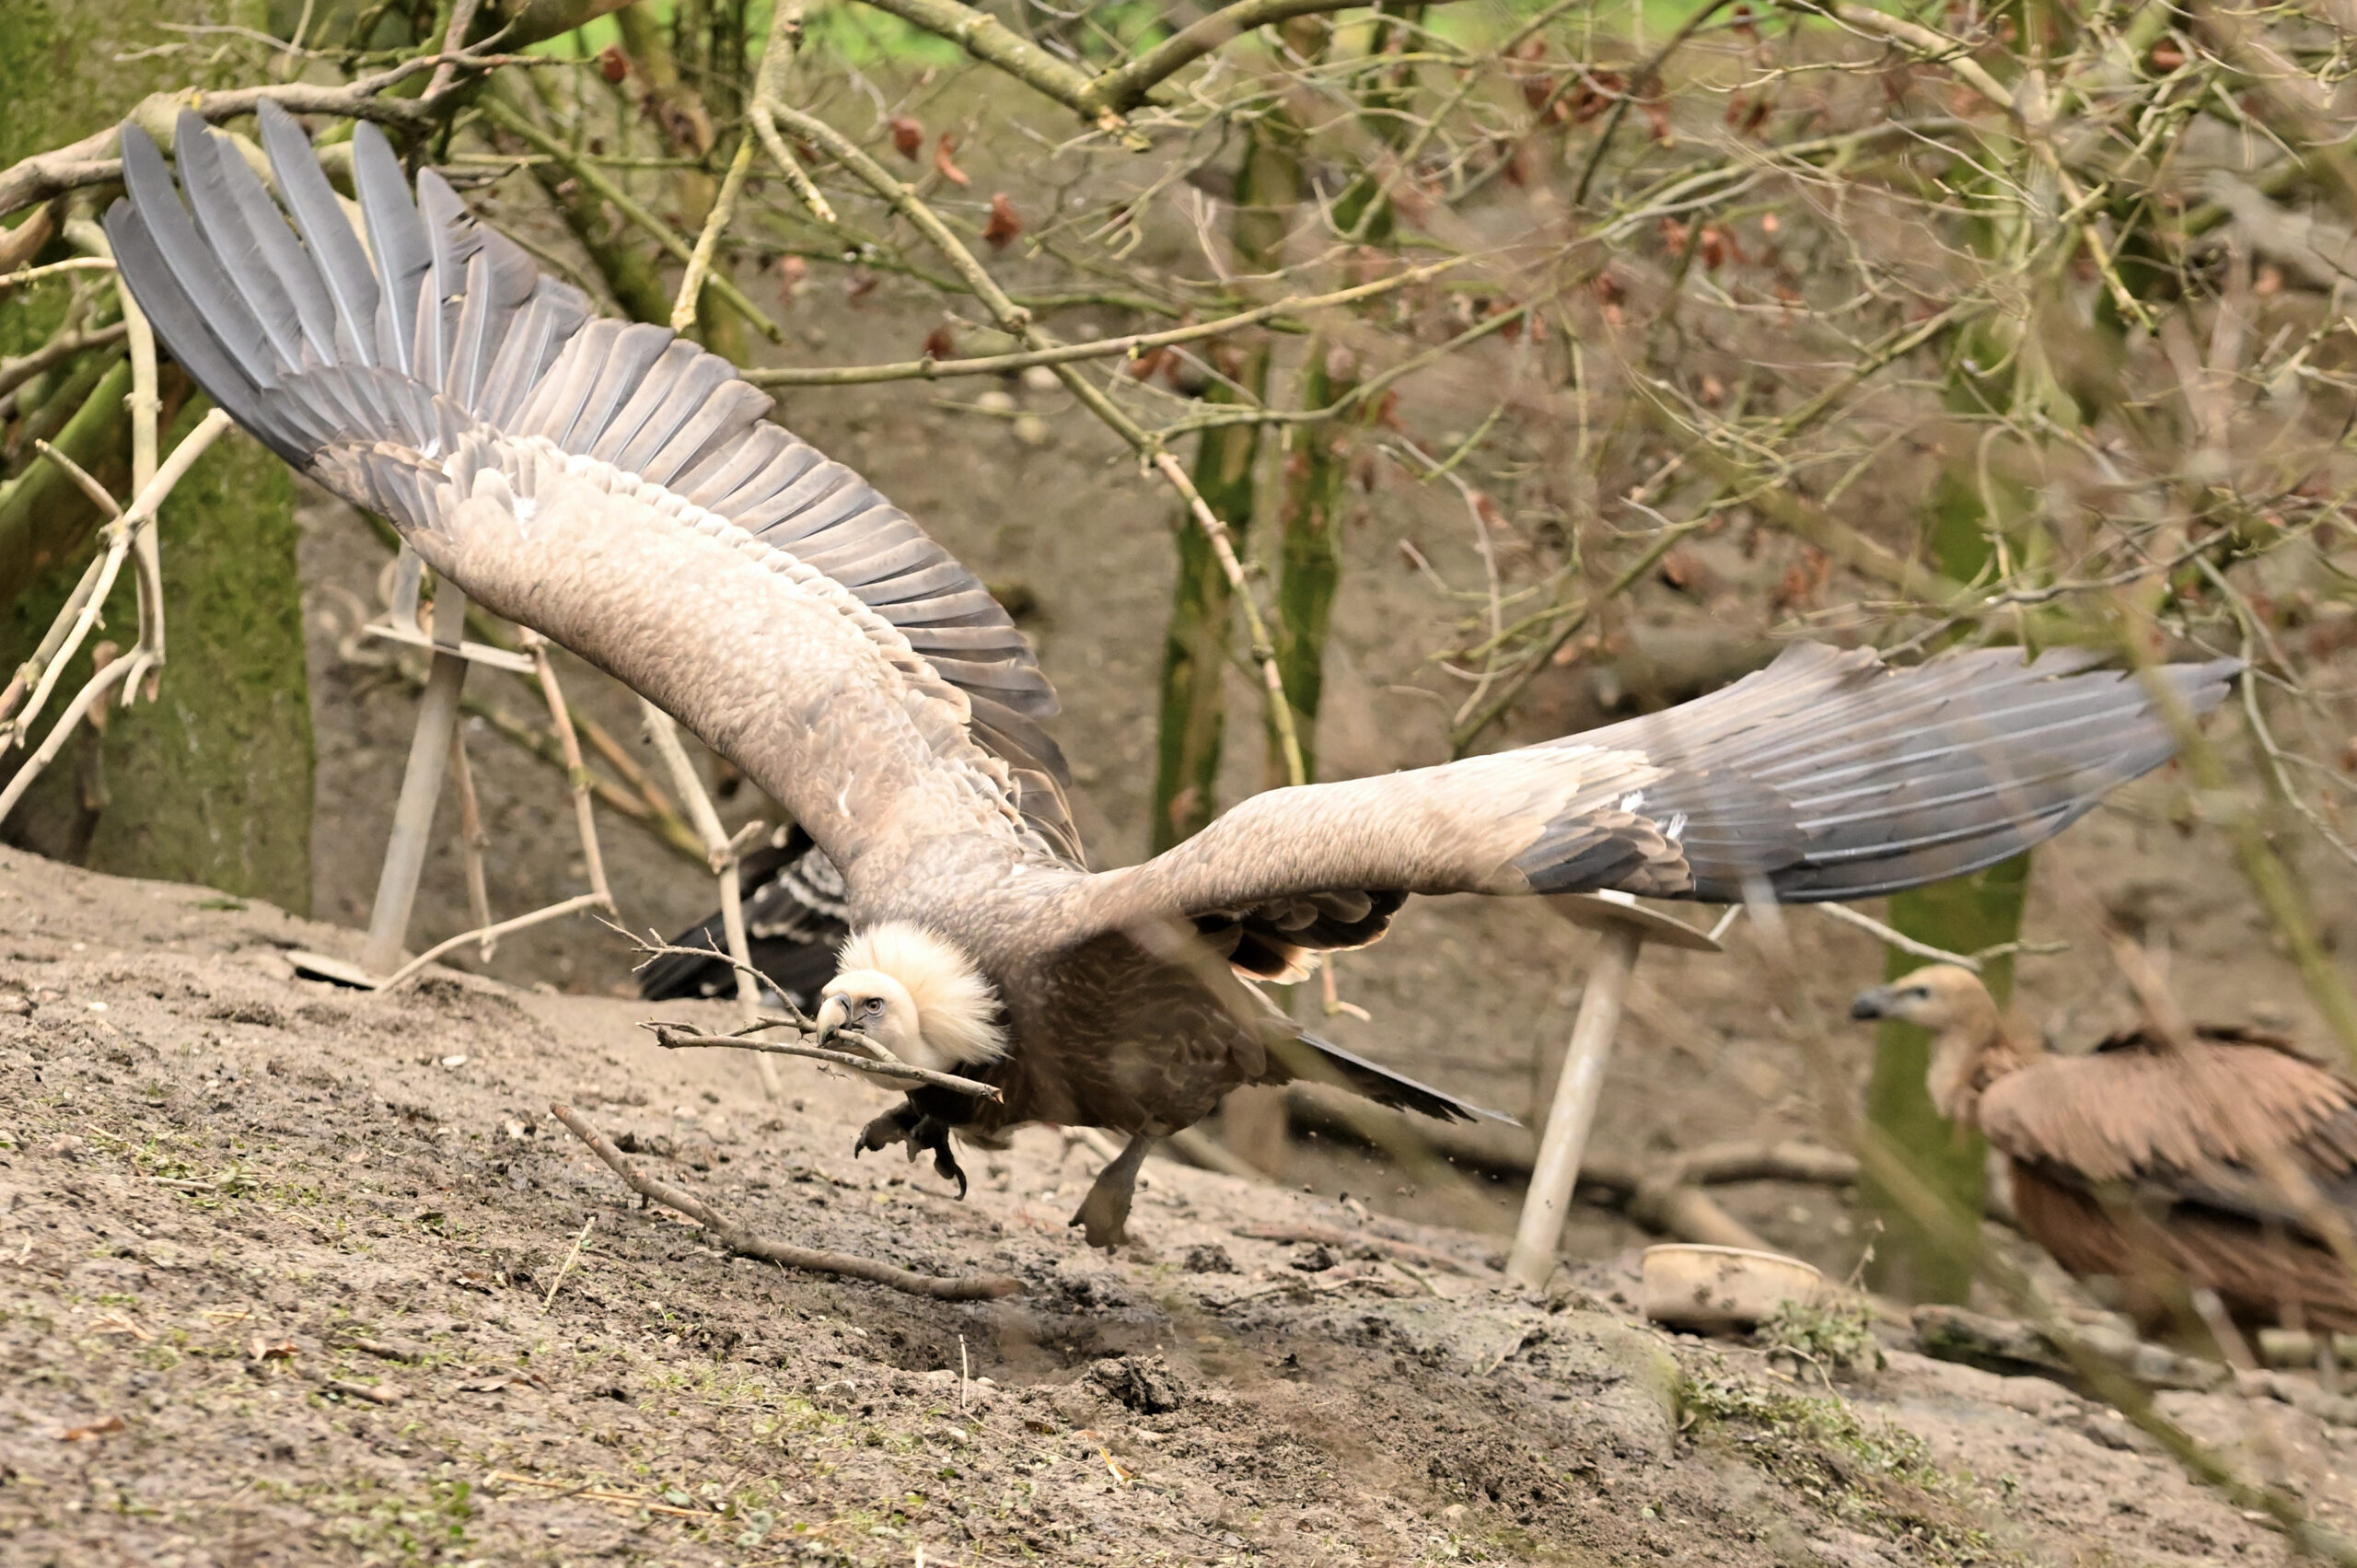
[429,759]
[1626,928]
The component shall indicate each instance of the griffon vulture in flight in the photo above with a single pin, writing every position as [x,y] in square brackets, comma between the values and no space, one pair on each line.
[621,491]
[2224,1162]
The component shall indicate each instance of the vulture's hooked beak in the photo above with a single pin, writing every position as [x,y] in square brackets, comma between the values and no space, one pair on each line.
[831,1016]
[1875,1004]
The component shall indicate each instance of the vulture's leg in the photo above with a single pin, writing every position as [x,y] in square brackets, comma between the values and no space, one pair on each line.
[894,1126]
[932,1133]
[1105,1213]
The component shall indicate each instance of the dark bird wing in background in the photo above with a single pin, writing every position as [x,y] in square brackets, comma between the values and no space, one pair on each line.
[2202,1126]
[796,915]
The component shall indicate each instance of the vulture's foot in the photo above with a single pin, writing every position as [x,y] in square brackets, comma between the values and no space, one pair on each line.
[1104,1215]
[933,1133]
[897,1125]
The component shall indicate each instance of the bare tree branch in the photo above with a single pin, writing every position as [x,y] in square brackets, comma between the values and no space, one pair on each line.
[737,1238]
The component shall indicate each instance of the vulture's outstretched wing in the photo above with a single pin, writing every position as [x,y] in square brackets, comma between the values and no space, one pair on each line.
[796,914]
[2203,1127]
[551,465]
[1824,776]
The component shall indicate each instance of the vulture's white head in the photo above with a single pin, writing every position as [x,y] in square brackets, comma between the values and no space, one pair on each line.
[916,995]
[1971,1049]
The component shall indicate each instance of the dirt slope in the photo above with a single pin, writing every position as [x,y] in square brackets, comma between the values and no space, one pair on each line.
[275,1256]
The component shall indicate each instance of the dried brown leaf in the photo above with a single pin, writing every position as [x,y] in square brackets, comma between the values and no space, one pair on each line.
[1004,224]
[946,166]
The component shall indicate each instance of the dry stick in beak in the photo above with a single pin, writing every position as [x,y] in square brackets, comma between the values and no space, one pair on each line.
[679,1036]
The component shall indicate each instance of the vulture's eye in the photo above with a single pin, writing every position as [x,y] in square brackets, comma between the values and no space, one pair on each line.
[1916,993]
[874,1005]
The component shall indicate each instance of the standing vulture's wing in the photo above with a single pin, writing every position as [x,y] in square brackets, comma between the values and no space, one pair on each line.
[610,484]
[2217,1125]
[1823,776]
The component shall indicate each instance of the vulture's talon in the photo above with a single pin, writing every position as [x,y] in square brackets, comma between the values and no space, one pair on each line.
[1104,1215]
[944,1165]
[894,1126]
[931,1136]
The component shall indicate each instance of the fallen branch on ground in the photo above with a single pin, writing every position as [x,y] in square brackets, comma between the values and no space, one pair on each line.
[737,1238]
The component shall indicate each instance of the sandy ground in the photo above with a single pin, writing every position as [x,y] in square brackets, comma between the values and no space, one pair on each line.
[276,1271]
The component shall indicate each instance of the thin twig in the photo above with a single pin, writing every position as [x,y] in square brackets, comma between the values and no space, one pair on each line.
[81,478]
[24,275]
[500,114]
[472,841]
[122,534]
[1264,650]
[16,372]
[566,1267]
[724,211]
[769,92]
[1130,346]
[489,933]
[577,772]
[737,1238]
[674,1037]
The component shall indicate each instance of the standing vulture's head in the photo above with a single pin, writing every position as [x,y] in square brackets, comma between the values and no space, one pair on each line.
[1950,1001]
[914,994]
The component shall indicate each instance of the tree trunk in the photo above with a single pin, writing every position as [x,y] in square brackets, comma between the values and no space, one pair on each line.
[1317,470]
[211,783]
[1962,915]
[1196,650]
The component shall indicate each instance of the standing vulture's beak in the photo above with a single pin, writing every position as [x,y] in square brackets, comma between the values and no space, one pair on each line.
[1875,1004]
[832,1016]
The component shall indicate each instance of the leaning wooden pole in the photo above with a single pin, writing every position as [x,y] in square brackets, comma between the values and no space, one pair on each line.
[1626,927]
[429,760]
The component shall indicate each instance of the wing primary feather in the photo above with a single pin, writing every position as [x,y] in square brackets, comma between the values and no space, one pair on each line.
[554,314]
[296,273]
[396,239]
[191,260]
[232,240]
[450,244]
[182,325]
[1379,1083]
[343,265]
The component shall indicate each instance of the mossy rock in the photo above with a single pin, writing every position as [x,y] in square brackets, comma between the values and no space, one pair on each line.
[212,782]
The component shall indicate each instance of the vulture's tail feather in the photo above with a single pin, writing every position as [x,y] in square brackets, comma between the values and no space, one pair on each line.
[1826,776]
[1324,1061]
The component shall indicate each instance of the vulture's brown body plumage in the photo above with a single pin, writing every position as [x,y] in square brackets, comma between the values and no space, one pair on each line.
[624,493]
[2222,1161]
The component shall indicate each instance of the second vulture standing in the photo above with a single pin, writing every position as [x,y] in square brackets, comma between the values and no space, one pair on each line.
[624,493]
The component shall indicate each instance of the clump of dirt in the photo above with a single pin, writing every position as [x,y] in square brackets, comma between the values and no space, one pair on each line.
[294,1274]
